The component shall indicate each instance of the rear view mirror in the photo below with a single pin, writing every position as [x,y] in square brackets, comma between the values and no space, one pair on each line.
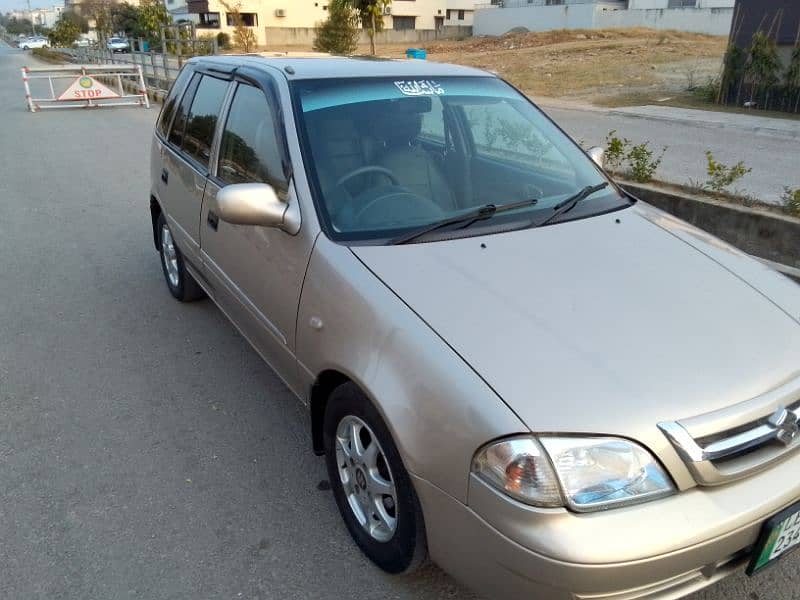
[597,154]
[251,204]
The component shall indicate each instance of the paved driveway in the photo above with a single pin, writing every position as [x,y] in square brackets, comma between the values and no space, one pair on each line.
[145,450]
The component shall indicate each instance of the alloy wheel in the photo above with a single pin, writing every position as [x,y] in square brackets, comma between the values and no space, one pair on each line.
[169,256]
[366,478]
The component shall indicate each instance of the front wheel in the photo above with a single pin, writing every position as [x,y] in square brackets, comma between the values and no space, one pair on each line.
[371,486]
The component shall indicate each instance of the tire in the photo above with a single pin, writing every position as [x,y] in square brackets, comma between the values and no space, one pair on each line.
[181,284]
[359,474]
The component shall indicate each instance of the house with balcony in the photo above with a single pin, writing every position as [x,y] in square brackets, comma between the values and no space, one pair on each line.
[286,22]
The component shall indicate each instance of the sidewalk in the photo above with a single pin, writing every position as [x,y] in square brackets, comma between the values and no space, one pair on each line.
[752,123]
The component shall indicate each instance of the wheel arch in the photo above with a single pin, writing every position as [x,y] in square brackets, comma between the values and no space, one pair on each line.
[321,390]
[155,213]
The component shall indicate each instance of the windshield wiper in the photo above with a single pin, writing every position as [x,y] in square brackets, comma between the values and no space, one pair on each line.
[479,214]
[571,202]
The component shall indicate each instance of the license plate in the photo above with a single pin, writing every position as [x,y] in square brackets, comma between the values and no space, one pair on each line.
[779,537]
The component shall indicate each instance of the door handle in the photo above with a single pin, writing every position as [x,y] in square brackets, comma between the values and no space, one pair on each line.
[213,220]
[164,175]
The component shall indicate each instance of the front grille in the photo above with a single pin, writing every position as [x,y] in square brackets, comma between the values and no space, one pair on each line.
[739,449]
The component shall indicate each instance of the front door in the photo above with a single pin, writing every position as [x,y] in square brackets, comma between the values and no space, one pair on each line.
[257,272]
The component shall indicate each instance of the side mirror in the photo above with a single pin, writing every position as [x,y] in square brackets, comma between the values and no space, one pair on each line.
[597,154]
[251,204]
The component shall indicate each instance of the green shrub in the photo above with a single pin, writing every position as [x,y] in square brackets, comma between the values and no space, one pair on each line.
[791,201]
[223,40]
[339,33]
[722,176]
[616,151]
[642,162]
[49,55]
[708,92]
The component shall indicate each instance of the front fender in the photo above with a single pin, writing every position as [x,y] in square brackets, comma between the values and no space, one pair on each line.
[437,408]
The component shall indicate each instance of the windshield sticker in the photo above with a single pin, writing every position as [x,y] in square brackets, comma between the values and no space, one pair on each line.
[425,87]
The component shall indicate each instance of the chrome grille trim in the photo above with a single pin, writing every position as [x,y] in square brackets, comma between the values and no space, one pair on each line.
[777,434]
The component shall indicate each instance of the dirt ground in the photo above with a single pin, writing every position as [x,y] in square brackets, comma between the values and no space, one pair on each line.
[610,67]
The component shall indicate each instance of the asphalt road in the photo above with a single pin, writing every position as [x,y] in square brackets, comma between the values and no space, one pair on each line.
[774,159]
[145,449]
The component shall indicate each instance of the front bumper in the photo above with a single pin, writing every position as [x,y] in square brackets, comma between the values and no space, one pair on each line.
[660,550]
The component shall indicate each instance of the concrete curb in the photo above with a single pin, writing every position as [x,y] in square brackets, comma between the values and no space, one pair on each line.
[770,237]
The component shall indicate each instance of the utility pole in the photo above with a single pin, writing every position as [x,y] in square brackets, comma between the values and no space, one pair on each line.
[30,14]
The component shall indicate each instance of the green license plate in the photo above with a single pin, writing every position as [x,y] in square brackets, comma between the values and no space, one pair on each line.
[779,537]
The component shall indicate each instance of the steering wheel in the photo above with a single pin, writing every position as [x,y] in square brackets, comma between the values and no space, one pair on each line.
[368,169]
[386,203]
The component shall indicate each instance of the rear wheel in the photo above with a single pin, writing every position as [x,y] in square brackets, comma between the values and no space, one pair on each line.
[180,283]
[371,486]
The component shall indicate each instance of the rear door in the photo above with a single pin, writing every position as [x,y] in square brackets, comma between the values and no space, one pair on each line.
[187,158]
[256,272]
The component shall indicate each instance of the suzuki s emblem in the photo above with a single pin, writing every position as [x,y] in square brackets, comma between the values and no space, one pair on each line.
[787,425]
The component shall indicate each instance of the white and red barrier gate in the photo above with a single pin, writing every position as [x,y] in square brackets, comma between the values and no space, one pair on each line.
[84,88]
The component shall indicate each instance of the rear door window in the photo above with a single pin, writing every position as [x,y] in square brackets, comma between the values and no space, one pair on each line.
[172,100]
[179,122]
[202,119]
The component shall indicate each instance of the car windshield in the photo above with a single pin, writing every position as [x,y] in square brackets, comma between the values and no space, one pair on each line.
[389,156]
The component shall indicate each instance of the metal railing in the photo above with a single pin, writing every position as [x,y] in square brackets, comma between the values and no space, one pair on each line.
[159,69]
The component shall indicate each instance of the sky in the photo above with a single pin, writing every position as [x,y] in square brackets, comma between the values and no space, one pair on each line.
[8,5]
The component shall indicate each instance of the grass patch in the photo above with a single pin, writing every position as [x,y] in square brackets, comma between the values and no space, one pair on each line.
[49,55]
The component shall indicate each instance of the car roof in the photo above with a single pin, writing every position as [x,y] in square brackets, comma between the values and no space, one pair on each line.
[323,66]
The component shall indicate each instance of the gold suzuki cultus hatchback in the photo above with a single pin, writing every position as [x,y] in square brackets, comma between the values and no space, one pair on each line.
[511,364]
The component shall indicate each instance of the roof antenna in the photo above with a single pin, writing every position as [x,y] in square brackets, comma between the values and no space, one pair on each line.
[289,69]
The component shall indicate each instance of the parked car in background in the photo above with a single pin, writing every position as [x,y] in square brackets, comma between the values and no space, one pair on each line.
[118,44]
[82,43]
[511,363]
[34,42]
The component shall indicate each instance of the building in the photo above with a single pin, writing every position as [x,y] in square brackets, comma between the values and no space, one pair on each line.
[699,16]
[40,17]
[293,21]
[459,13]
[778,89]
[779,19]
[46,17]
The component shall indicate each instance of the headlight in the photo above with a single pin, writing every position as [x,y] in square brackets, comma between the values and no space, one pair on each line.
[588,473]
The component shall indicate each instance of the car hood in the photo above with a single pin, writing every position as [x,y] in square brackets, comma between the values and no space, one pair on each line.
[606,325]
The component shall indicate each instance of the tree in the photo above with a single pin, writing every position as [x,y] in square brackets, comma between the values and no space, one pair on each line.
[100,11]
[244,37]
[64,33]
[764,66]
[339,33]
[793,79]
[371,14]
[124,18]
[16,26]
[78,20]
[153,15]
